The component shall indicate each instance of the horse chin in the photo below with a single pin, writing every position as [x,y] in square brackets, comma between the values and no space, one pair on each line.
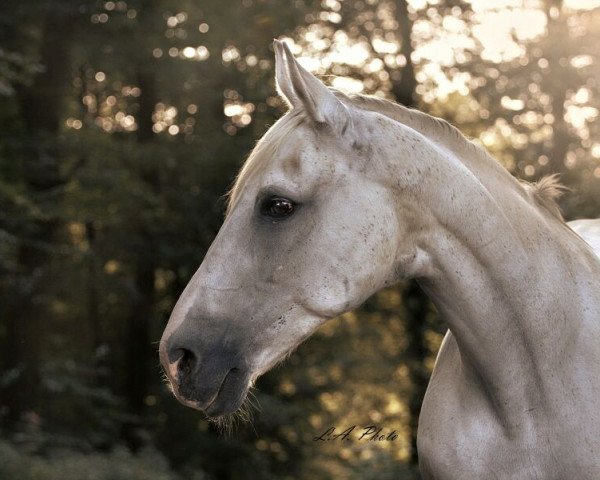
[225,404]
[189,403]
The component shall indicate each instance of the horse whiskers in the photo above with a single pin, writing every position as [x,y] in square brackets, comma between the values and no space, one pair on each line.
[253,400]
[244,415]
[223,424]
[167,381]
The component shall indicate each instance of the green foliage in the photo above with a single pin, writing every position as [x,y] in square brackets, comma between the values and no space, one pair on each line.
[124,123]
[120,464]
[15,69]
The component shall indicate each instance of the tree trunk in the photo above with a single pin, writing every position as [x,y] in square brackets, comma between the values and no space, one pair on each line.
[139,352]
[40,109]
[404,88]
[416,303]
[558,80]
[97,341]
[416,307]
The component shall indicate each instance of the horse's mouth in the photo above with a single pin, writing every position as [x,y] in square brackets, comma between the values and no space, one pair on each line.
[221,407]
[225,401]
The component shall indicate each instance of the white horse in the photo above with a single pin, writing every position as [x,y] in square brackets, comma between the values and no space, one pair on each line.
[346,195]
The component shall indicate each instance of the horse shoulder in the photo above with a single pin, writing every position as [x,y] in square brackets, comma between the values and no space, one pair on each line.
[454,423]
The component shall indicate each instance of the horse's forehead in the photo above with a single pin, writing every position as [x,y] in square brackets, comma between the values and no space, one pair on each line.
[295,144]
[299,154]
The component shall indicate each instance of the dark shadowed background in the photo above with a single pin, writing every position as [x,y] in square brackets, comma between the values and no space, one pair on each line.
[122,125]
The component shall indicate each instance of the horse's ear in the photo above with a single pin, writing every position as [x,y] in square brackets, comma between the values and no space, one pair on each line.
[282,77]
[301,89]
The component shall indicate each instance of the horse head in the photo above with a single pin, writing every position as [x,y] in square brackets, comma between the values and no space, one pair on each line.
[311,232]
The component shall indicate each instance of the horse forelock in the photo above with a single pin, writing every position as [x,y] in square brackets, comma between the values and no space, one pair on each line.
[265,148]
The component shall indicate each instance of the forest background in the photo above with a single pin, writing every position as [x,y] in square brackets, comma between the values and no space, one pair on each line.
[122,125]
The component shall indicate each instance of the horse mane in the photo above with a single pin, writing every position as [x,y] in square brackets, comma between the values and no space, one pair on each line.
[433,127]
[544,192]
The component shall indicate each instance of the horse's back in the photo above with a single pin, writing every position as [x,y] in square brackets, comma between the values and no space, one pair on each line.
[589,230]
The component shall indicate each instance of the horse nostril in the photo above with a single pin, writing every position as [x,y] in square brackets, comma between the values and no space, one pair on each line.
[187,361]
[180,362]
[175,354]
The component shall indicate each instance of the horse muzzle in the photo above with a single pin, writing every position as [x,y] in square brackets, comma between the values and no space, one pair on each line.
[214,381]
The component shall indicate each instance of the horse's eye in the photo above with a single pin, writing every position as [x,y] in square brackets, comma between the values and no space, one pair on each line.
[277,207]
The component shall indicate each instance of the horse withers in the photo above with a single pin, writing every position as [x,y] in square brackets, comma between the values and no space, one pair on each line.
[346,195]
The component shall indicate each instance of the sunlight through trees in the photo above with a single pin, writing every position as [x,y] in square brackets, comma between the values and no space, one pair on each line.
[124,124]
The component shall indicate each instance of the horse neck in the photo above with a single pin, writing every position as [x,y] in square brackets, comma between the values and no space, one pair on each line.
[507,277]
